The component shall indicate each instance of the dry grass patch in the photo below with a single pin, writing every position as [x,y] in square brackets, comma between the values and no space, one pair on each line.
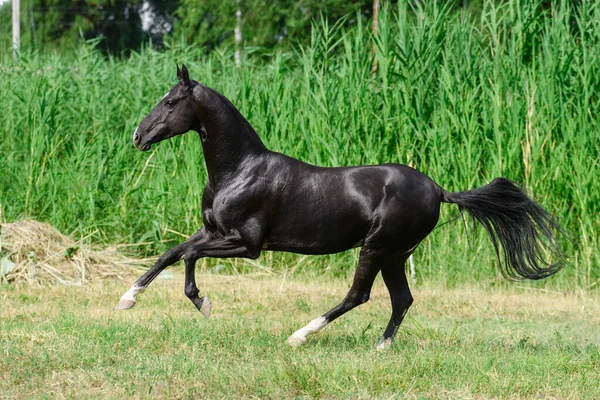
[35,253]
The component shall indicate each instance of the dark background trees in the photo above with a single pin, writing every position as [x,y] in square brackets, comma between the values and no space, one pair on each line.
[125,25]
[119,25]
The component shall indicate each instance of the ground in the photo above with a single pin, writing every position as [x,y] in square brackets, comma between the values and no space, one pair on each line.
[455,343]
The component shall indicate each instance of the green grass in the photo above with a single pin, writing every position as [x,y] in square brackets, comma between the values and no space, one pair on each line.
[467,343]
[510,92]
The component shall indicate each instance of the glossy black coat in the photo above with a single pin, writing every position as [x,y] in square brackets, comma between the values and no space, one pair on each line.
[257,199]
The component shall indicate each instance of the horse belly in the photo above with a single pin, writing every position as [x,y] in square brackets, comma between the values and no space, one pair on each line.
[317,232]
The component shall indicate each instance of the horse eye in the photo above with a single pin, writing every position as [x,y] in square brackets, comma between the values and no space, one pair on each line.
[170,103]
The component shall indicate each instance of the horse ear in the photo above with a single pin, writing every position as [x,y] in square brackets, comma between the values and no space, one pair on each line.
[183,75]
[179,77]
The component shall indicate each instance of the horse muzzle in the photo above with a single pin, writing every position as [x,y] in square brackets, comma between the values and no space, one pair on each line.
[137,141]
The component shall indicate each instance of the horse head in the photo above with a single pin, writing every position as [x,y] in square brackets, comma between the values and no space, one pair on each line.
[173,115]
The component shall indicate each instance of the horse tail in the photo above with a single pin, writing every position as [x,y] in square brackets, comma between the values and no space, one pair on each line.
[524,230]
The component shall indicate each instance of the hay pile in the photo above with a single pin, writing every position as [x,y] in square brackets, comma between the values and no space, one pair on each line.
[38,254]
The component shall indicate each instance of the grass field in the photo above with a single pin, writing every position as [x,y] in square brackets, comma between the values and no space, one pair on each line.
[465,343]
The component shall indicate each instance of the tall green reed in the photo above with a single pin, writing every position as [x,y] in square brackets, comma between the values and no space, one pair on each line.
[510,92]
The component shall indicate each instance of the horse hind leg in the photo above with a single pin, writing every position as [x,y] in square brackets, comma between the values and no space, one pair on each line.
[394,277]
[368,268]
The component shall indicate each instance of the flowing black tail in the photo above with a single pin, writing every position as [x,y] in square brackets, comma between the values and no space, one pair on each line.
[524,230]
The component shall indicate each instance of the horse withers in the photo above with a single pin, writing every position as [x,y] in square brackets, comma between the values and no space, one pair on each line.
[256,199]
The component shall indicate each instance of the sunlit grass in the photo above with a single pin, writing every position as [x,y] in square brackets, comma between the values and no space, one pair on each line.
[511,93]
[467,343]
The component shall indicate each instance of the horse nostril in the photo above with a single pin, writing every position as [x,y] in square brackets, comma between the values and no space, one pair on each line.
[136,138]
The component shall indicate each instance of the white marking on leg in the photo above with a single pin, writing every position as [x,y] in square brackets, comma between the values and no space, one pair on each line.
[299,337]
[413,271]
[128,299]
[132,292]
[384,345]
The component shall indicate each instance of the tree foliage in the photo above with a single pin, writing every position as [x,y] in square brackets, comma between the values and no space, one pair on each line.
[47,25]
[264,23]
[124,25]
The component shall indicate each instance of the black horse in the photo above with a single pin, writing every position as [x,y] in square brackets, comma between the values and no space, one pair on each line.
[258,199]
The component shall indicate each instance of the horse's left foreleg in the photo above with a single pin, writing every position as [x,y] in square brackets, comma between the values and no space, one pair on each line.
[202,244]
[191,290]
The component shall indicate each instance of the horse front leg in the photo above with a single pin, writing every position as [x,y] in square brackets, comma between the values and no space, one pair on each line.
[170,257]
[222,247]
[191,290]
[202,244]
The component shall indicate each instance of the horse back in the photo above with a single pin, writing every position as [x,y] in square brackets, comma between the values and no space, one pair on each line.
[316,210]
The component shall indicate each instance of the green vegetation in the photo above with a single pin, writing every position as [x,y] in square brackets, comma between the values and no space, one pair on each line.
[51,25]
[124,25]
[511,93]
[69,343]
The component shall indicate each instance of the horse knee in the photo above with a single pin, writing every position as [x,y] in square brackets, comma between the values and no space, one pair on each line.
[364,298]
[253,254]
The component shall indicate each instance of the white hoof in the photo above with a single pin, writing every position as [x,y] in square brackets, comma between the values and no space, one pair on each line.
[125,304]
[206,307]
[128,299]
[383,346]
[296,341]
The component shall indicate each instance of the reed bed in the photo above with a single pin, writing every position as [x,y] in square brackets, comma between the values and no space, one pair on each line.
[512,91]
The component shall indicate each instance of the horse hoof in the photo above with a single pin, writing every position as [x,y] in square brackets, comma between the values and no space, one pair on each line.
[206,307]
[383,345]
[125,304]
[296,341]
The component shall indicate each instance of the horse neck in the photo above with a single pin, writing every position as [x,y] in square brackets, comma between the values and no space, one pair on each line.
[231,140]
